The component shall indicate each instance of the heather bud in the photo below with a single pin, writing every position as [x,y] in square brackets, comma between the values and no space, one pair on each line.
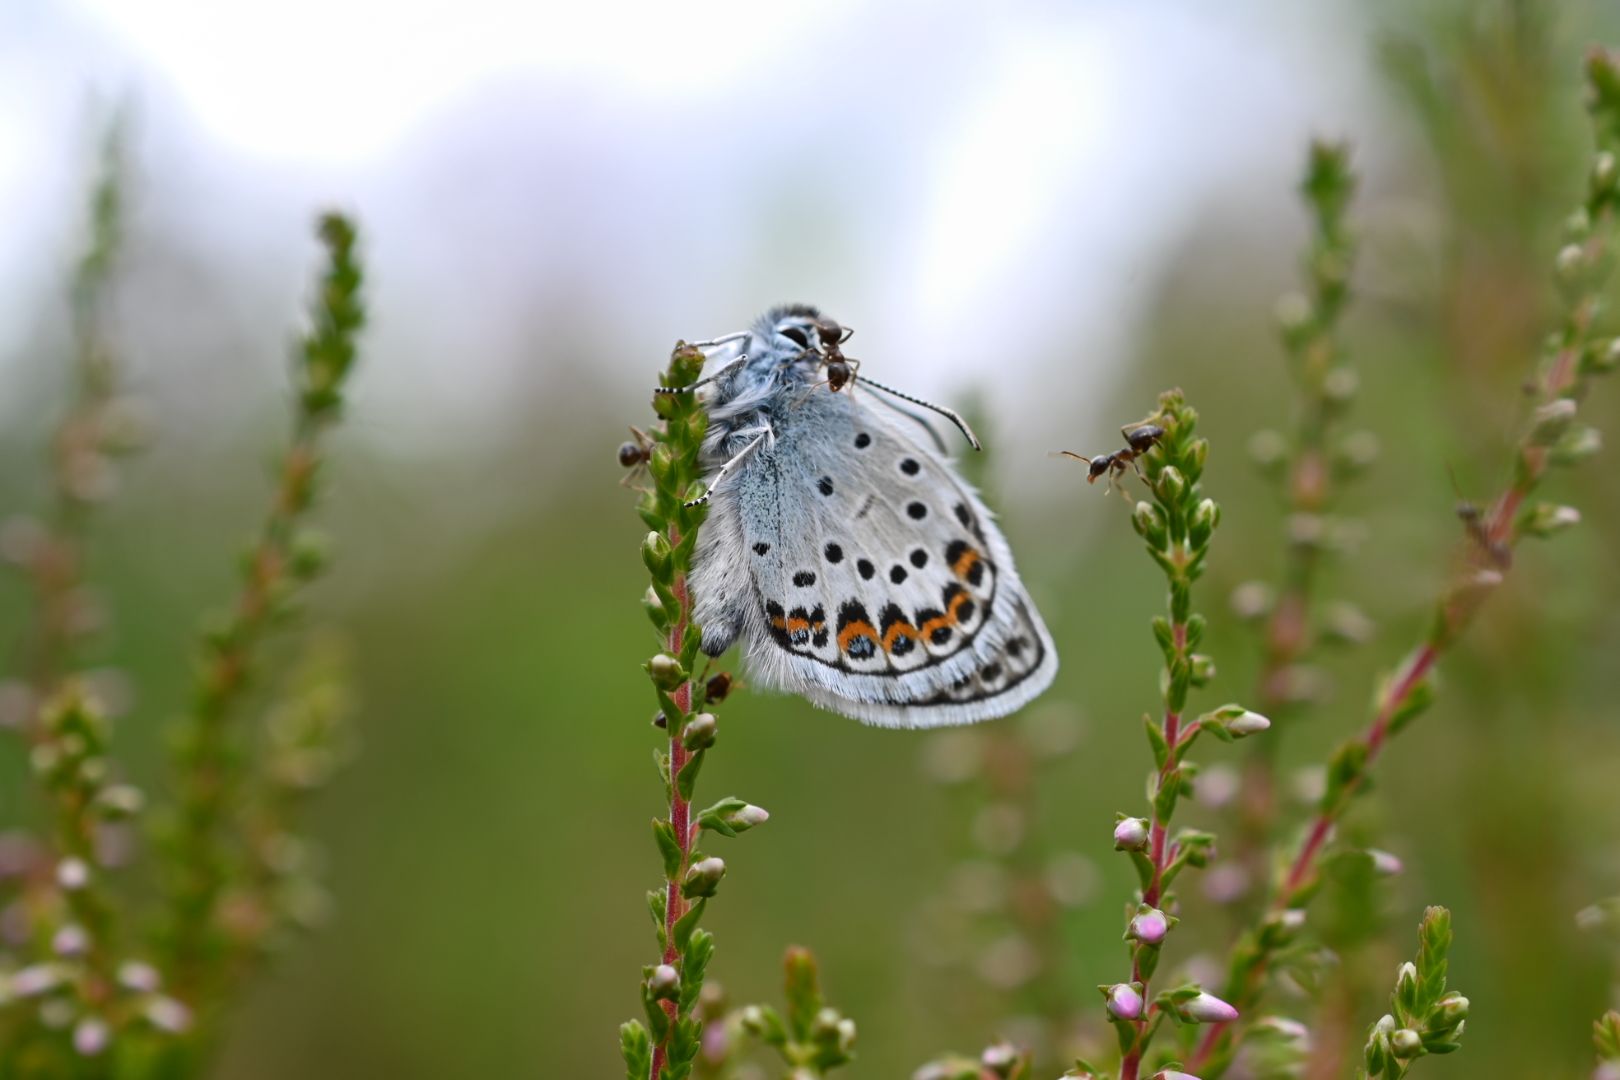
[1001,1059]
[1206,1008]
[655,554]
[1149,926]
[664,983]
[1149,523]
[72,873]
[1247,723]
[141,977]
[1125,1001]
[1451,1010]
[666,671]
[1545,519]
[699,732]
[1384,863]
[1576,445]
[90,1036]
[1205,517]
[1406,1043]
[1172,485]
[1341,385]
[1131,834]
[1252,600]
[1551,421]
[167,1014]
[703,877]
[70,940]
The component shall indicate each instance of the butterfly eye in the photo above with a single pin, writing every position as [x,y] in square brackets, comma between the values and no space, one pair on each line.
[797,336]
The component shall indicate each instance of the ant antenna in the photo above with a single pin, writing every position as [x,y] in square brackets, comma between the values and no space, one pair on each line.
[951,415]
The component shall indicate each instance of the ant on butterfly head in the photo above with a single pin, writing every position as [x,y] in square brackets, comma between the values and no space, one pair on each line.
[841,370]
[1138,441]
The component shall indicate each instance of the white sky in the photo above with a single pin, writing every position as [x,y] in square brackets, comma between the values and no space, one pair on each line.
[996,183]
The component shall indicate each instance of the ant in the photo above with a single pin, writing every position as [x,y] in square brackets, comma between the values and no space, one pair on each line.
[840,368]
[1138,441]
[1473,520]
[634,455]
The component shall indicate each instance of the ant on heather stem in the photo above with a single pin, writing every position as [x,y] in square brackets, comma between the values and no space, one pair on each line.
[1138,441]
[634,456]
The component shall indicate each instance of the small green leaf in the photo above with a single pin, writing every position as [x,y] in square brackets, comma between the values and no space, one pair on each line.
[668,847]
[688,923]
[686,779]
[636,1048]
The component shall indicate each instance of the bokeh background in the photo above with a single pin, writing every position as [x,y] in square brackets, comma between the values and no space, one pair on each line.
[1048,210]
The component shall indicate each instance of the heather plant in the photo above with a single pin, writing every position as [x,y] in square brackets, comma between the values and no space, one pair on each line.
[814,1038]
[667,1046]
[1424,1018]
[87,988]
[1179,1028]
[1552,436]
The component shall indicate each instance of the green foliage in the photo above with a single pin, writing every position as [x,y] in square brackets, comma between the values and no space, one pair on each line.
[93,996]
[815,1038]
[1424,1018]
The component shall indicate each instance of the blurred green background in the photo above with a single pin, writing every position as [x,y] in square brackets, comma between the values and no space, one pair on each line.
[488,849]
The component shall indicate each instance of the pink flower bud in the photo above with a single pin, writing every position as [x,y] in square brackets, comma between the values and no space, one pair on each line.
[1149,927]
[90,1036]
[1131,834]
[665,982]
[1206,1008]
[1124,1002]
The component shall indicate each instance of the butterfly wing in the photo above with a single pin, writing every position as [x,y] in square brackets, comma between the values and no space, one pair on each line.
[862,572]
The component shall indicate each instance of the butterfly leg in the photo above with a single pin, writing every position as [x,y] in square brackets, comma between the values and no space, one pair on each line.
[725,470]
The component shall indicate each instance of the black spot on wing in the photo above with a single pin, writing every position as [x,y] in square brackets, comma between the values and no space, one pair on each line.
[919,558]
[909,466]
[825,485]
[916,511]
[897,573]
[865,569]
[804,579]
[761,548]
[862,441]
[833,552]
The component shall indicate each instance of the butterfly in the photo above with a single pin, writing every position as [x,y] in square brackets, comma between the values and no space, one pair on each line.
[856,566]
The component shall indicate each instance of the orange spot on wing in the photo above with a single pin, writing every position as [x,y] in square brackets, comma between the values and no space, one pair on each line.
[964,563]
[897,630]
[851,631]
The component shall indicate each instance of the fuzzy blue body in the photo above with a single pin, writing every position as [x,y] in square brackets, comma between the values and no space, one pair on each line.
[856,566]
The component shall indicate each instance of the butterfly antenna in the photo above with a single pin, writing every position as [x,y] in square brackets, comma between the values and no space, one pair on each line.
[1068,453]
[727,370]
[723,339]
[949,414]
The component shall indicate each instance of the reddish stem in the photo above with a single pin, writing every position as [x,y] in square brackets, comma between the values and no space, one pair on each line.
[1159,853]
[1304,865]
[679,815]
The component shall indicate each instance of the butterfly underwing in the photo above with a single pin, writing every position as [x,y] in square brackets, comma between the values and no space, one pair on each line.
[855,565]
